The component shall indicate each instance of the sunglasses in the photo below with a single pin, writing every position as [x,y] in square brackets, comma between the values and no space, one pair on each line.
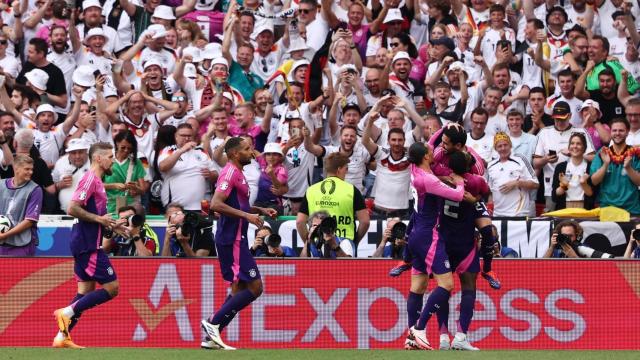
[264,65]
[394,44]
[178,98]
[304,11]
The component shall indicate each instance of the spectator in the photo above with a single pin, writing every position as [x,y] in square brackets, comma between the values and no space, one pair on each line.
[273,178]
[6,155]
[538,118]
[591,121]
[511,178]
[570,92]
[186,165]
[177,243]
[21,204]
[571,188]
[136,239]
[599,56]
[266,243]
[322,241]
[632,110]
[478,139]
[49,139]
[523,143]
[299,161]
[615,171]
[392,245]
[69,169]
[605,94]
[128,179]
[553,146]
[339,199]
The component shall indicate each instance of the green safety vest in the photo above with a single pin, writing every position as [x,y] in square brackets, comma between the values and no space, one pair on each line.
[334,196]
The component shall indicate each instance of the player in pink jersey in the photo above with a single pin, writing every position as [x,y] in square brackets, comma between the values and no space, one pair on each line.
[91,265]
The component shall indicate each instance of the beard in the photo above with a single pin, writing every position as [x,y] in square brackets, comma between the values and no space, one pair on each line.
[108,172]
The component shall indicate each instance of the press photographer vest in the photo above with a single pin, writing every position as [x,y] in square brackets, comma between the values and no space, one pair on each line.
[336,197]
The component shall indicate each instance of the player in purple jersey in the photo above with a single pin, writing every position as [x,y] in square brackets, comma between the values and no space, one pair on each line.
[231,201]
[91,265]
[457,230]
[429,255]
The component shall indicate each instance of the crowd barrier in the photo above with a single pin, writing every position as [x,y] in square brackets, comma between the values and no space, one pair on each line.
[529,237]
[544,304]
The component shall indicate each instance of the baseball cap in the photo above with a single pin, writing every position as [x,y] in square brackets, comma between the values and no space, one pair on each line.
[393,15]
[151,62]
[351,106]
[401,55]
[272,148]
[38,78]
[77,144]
[446,41]
[561,111]
[591,103]
[559,9]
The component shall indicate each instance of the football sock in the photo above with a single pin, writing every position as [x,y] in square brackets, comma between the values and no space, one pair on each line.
[414,305]
[231,307]
[467,304]
[443,317]
[76,315]
[438,298]
[487,247]
[90,300]
[406,255]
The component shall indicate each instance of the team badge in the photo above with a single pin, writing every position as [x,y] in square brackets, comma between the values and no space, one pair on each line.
[83,195]
[446,264]
[224,186]
[110,270]
[252,273]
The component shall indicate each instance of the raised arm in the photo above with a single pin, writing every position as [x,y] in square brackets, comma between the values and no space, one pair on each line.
[371,146]
[623,90]
[329,16]
[580,89]
[128,7]
[187,6]
[374,27]
[35,19]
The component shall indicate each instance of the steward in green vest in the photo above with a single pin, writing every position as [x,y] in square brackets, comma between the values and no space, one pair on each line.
[337,197]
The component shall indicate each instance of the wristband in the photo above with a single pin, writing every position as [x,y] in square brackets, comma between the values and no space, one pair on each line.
[136,238]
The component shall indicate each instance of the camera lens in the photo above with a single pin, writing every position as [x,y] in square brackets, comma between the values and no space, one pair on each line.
[636,234]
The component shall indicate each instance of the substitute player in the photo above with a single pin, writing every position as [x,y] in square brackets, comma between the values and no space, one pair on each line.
[91,265]
[231,200]
[429,255]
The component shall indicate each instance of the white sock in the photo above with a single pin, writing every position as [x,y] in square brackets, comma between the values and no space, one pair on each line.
[60,336]
[68,311]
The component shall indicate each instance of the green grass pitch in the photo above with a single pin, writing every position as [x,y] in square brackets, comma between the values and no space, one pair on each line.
[193,354]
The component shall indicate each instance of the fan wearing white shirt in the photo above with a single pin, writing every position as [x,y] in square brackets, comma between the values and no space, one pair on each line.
[69,169]
[510,180]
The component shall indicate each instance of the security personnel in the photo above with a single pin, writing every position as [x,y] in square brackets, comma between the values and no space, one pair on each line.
[337,197]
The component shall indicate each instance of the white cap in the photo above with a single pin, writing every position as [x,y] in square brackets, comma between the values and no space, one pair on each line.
[456,65]
[157,30]
[297,44]
[163,12]
[206,4]
[228,96]
[264,26]
[211,51]
[190,71]
[194,52]
[401,55]
[77,144]
[591,103]
[46,108]
[347,67]
[38,78]
[220,61]
[83,76]
[152,62]
[272,148]
[297,64]
[393,15]
[97,31]
[90,3]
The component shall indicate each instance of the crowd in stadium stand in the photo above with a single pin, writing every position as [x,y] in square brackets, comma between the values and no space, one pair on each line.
[546,89]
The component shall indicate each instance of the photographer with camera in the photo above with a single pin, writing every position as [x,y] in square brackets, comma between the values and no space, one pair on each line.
[322,241]
[394,240]
[266,243]
[633,248]
[132,239]
[188,234]
[565,241]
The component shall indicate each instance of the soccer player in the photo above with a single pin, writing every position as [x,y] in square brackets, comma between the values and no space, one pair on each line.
[231,200]
[91,265]
[457,230]
[429,255]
